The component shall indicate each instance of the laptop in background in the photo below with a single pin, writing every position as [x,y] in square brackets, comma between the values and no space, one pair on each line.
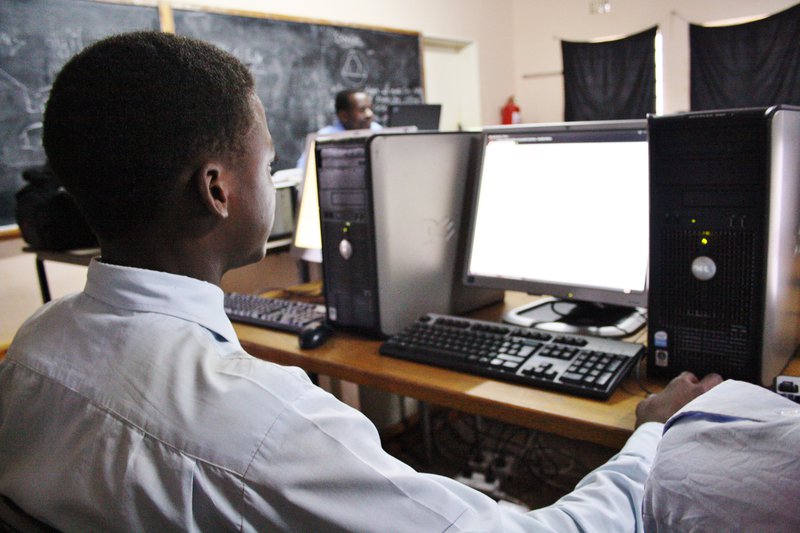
[423,116]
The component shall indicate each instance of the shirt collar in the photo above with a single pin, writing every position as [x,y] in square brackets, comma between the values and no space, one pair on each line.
[338,125]
[141,290]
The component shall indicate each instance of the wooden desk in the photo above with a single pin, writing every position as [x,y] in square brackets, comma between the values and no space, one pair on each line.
[356,359]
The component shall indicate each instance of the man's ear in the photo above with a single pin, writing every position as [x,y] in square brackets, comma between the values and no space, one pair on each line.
[344,117]
[211,181]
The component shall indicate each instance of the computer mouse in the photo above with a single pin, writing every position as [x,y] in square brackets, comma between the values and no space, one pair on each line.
[314,334]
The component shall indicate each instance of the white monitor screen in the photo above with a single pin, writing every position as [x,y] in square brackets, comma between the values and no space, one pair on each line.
[563,210]
[307,243]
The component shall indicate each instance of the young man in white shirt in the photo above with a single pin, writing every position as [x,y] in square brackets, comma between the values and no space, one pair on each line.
[131,406]
[353,112]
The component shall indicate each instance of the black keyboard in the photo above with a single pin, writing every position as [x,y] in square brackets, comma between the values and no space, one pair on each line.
[577,364]
[273,313]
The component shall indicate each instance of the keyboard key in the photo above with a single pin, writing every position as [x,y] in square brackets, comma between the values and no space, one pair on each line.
[571,377]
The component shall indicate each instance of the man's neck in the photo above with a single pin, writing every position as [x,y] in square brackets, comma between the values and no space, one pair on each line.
[181,258]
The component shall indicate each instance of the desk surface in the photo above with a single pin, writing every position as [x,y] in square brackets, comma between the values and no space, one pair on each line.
[356,359]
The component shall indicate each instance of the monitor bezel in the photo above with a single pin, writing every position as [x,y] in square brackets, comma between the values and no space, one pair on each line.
[572,292]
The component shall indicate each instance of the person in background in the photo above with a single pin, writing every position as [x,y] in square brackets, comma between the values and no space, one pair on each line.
[353,112]
[131,406]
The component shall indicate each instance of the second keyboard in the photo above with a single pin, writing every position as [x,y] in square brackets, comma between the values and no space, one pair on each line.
[577,364]
[273,313]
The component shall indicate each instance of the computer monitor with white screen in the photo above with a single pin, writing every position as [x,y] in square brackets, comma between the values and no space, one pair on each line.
[562,210]
[307,239]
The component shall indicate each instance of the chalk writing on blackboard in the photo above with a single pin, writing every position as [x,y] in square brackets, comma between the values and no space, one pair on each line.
[36,38]
[299,67]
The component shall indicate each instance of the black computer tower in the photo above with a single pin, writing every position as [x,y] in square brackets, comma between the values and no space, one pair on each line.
[392,209]
[723,281]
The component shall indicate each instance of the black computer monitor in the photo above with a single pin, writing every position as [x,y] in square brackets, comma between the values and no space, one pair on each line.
[423,116]
[562,210]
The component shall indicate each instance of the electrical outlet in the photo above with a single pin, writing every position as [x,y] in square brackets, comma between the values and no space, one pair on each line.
[788,387]
[478,482]
[487,471]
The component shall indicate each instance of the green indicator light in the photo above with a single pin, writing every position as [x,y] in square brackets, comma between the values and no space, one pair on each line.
[694,221]
[704,241]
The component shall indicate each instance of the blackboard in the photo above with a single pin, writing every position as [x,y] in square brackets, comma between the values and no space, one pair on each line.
[300,66]
[36,39]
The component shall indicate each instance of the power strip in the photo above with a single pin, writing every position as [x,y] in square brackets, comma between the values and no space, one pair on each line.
[788,387]
[487,472]
[477,480]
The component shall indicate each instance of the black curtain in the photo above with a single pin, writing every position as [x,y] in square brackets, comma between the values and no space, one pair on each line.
[747,65]
[610,80]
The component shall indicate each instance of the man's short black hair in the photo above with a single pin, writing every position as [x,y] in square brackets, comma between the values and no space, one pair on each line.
[130,113]
[343,99]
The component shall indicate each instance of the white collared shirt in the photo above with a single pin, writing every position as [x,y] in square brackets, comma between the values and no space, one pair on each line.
[336,127]
[132,407]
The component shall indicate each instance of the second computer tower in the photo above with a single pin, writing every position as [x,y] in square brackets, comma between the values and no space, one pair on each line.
[392,208]
[724,204]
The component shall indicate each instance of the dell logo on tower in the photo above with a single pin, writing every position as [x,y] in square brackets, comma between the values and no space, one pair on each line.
[704,268]
[439,230]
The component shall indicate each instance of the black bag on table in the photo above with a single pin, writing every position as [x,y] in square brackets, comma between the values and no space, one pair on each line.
[47,216]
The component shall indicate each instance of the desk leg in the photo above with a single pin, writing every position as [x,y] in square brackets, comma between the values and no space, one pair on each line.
[42,275]
[303,271]
[427,433]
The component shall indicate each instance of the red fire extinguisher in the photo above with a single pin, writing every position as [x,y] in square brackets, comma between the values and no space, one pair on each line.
[510,113]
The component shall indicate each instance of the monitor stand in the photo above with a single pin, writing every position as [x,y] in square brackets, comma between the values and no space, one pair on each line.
[582,318]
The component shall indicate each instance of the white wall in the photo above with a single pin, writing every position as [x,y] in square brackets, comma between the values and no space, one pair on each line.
[540,25]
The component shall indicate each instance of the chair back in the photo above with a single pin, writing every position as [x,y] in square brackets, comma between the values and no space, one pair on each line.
[13,518]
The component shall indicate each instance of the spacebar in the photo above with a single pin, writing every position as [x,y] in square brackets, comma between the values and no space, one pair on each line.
[421,352]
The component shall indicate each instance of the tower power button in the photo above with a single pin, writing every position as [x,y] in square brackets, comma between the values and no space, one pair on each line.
[704,268]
